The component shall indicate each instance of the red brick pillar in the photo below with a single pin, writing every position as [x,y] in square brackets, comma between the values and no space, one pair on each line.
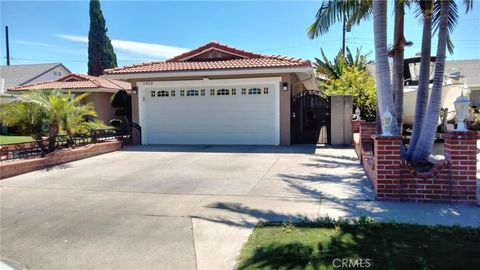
[356,125]
[387,167]
[461,151]
[367,130]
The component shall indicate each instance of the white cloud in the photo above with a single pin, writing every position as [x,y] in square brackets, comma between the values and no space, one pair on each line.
[73,38]
[36,44]
[134,48]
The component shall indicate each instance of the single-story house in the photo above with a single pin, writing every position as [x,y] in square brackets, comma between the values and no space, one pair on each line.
[465,71]
[16,75]
[217,94]
[100,89]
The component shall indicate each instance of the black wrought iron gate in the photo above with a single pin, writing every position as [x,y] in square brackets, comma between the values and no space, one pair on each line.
[311,118]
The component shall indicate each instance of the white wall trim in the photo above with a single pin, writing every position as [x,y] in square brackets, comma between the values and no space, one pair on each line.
[206,73]
[207,82]
[141,114]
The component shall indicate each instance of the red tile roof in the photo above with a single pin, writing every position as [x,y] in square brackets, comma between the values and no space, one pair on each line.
[76,81]
[238,59]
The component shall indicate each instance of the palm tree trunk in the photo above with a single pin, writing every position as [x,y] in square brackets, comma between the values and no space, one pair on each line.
[382,68]
[398,57]
[52,136]
[40,143]
[427,137]
[422,90]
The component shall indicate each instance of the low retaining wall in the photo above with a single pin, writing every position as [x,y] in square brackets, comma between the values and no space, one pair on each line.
[450,180]
[12,168]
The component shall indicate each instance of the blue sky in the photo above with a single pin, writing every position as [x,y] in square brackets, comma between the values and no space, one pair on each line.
[56,31]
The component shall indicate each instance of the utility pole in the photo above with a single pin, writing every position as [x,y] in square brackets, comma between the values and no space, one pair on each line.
[7,45]
[344,30]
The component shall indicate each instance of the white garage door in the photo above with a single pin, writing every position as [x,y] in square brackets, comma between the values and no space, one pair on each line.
[238,111]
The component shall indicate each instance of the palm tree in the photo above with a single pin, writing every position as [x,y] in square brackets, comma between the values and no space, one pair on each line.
[62,110]
[28,118]
[397,53]
[382,68]
[75,114]
[430,11]
[333,70]
[426,9]
[423,148]
[332,11]
[445,16]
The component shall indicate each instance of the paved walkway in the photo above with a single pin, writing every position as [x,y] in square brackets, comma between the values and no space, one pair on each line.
[185,207]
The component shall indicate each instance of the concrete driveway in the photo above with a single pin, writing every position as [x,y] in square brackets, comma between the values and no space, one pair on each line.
[183,207]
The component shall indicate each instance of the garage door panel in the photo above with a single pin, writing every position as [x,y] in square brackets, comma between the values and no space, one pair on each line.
[209,127]
[213,138]
[234,119]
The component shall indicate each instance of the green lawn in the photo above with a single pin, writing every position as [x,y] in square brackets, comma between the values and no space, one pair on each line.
[5,139]
[385,245]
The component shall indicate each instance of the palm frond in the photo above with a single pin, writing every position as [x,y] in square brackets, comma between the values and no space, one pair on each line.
[468,5]
[452,21]
[333,11]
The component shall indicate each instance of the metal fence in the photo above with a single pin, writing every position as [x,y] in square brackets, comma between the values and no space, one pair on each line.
[41,148]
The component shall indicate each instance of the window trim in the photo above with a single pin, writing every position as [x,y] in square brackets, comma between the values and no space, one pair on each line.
[195,92]
[223,92]
[163,93]
[255,91]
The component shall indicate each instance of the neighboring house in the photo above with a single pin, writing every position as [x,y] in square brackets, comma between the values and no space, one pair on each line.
[216,94]
[4,97]
[468,71]
[457,74]
[16,75]
[100,90]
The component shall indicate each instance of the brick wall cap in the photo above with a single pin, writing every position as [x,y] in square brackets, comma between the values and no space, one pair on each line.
[389,138]
[368,124]
[456,135]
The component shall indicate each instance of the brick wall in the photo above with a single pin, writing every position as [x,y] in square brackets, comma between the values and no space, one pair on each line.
[461,151]
[356,125]
[387,166]
[12,168]
[450,180]
[362,140]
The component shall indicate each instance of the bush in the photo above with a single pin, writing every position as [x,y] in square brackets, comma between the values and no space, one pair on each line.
[360,85]
[120,99]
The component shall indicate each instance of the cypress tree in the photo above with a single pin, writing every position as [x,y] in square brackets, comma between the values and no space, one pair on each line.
[100,50]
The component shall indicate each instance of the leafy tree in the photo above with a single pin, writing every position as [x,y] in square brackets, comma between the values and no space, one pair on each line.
[100,50]
[360,85]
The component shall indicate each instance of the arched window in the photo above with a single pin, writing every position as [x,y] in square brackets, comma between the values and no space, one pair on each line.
[192,93]
[223,92]
[162,93]
[254,91]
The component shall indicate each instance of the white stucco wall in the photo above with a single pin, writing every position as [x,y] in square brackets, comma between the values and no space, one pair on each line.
[53,74]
